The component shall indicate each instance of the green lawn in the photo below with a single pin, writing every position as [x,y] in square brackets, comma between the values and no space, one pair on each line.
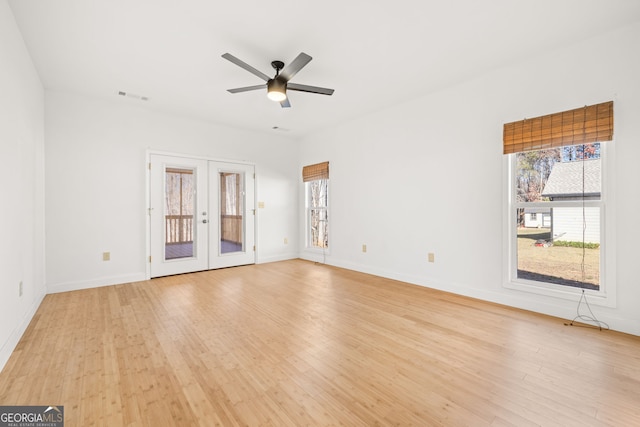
[556,264]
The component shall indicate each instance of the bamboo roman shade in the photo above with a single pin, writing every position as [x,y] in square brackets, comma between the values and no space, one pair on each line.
[593,123]
[314,172]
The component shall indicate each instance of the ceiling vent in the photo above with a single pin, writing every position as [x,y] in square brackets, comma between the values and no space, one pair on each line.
[133,95]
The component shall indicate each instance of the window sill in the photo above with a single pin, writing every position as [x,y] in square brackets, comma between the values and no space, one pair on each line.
[317,251]
[599,298]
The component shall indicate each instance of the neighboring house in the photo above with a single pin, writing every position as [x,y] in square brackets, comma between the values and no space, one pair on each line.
[565,183]
[537,217]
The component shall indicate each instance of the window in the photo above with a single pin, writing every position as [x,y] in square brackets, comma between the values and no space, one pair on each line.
[316,179]
[556,202]
[564,183]
[317,215]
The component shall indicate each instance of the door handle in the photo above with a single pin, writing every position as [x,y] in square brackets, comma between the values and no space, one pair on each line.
[204,221]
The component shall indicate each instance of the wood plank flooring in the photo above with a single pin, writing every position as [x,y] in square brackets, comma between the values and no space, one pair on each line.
[295,343]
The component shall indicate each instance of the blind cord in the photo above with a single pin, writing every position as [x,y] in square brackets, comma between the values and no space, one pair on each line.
[590,317]
[584,221]
[324,244]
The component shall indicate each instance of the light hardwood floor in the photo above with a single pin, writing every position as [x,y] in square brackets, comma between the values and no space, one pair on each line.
[296,343]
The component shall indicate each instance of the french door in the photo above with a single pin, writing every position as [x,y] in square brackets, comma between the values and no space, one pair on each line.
[201,215]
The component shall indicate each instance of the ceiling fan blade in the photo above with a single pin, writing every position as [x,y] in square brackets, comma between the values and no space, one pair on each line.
[246,89]
[246,66]
[292,69]
[310,89]
[285,103]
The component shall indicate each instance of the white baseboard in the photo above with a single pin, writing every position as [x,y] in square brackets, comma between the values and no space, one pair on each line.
[281,257]
[561,308]
[10,345]
[95,283]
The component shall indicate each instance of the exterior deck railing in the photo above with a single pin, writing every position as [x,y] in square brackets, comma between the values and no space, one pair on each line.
[178,228]
[231,228]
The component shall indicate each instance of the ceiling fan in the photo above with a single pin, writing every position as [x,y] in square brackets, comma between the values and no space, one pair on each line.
[278,85]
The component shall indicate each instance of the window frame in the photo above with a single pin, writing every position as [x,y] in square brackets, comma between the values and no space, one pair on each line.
[606,294]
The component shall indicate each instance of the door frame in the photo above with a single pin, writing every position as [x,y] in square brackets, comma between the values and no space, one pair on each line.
[147,202]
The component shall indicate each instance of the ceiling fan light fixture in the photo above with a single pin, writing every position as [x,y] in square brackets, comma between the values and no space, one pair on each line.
[276,90]
[278,85]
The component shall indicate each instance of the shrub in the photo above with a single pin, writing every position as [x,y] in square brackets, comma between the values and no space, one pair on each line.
[587,245]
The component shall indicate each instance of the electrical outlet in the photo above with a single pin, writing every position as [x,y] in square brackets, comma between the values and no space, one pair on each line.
[260,205]
[286,241]
[431,257]
[364,248]
[20,289]
[106,256]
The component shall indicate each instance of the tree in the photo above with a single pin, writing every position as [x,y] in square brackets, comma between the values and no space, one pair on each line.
[571,153]
[318,202]
[533,169]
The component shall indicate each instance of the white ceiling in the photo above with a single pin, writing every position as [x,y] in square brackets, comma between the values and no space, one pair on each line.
[373,53]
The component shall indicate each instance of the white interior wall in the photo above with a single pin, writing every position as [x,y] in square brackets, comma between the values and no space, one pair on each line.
[429,176]
[95,184]
[21,191]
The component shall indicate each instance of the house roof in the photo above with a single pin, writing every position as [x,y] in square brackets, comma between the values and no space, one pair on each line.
[566,179]
[537,210]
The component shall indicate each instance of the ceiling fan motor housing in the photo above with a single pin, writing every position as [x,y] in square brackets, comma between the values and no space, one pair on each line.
[276,89]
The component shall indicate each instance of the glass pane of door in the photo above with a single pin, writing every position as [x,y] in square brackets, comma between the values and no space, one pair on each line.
[178,220]
[232,203]
[179,209]
[231,212]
